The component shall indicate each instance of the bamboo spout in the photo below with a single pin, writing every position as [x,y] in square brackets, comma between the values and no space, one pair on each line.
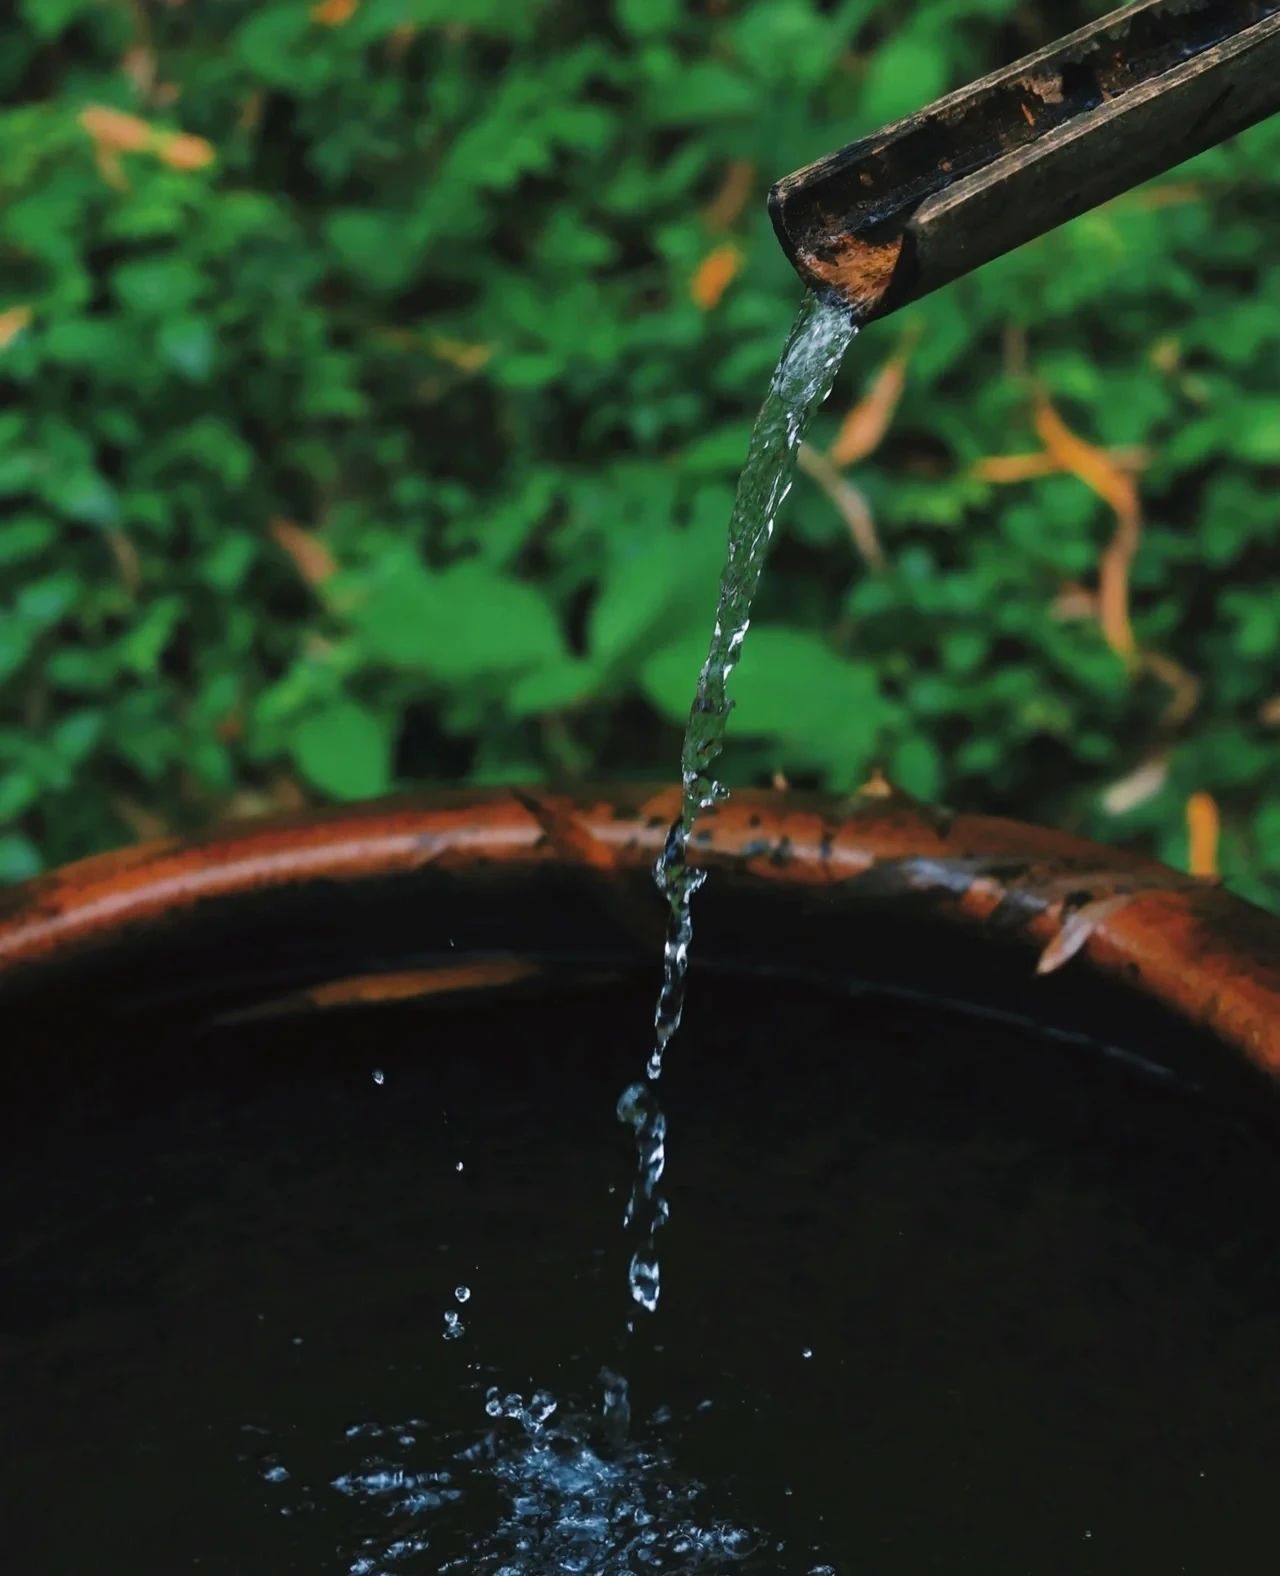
[898,214]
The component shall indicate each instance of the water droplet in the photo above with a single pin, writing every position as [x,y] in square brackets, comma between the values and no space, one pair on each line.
[462,1293]
[807,1352]
[458,1167]
[634,1105]
[541,1406]
[645,1280]
[379,1077]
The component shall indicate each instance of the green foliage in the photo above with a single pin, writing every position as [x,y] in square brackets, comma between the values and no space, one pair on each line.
[390,444]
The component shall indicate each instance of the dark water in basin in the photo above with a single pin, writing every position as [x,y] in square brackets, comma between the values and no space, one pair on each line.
[1041,1298]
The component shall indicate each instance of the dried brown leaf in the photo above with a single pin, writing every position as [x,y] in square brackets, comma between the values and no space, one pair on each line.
[311,557]
[713,276]
[736,191]
[1203,828]
[848,499]
[568,832]
[145,824]
[114,130]
[1099,472]
[463,354]
[863,429]
[1165,196]
[12,322]
[127,560]
[1136,787]
[182,151]
[1076,930]
[1184,687]
[1074,602]
[138,63]
[1008,469]
[877,786]
[334,13]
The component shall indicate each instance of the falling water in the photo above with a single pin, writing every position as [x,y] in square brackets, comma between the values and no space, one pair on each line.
[801,381]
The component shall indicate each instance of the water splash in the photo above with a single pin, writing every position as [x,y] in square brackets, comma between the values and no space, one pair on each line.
[801,381]
[553,1495]
[573,1508]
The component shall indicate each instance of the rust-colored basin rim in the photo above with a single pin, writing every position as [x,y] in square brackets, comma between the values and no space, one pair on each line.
[1209,957]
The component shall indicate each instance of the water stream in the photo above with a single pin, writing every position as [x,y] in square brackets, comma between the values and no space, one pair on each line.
[801,381]
[583,1493]
[586,1495]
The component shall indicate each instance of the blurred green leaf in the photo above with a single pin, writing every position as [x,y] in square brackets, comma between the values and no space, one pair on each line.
[186,344]
[564,683]
[457,624]
[642,18]
[665,585]
[48,18]
[791,686]
[19,857]
[344,750]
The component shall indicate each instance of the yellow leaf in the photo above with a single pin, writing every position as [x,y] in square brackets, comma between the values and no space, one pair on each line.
[460,353]
[12,323]
[114,131]
[334,13]
[182,151]
[715,273]
[1202,827]
[1005,469]
[1100,473]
